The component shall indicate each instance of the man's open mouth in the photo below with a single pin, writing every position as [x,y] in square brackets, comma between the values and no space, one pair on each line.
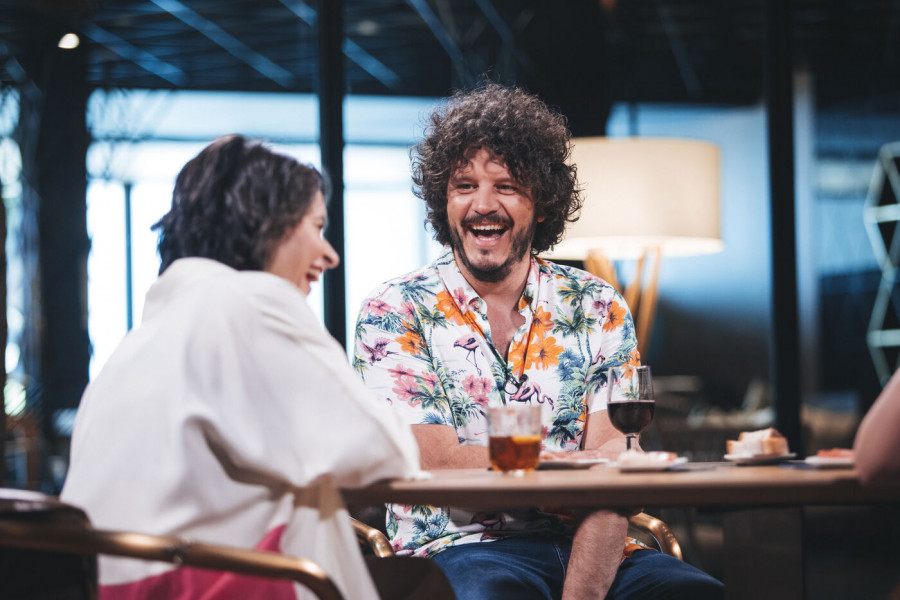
[488,230]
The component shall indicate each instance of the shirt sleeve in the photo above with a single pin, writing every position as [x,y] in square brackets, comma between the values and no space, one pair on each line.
[616,342]
[392,357]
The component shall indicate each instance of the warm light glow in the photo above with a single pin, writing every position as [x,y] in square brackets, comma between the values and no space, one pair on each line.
[69,41]
[642,193]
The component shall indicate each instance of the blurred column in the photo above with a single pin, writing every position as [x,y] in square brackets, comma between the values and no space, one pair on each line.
[785,354]
[331,142]
[53,138]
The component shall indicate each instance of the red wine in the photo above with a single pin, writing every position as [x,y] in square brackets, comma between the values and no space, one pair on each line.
[631,417]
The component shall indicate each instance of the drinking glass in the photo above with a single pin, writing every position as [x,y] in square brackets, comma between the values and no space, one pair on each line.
[514,438]
[630,402]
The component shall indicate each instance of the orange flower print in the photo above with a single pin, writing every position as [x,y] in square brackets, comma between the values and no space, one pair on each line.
[518,361]
[616,317]
[447,306]
[410,342]
[541,324]
[544,353]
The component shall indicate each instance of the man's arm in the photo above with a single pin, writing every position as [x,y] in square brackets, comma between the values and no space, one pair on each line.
[596,554]
[439,448]
[600,538]
[600,435]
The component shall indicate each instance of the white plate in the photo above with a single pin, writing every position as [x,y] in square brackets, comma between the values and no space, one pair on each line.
[656,465]
[758,459]
[571,463]
[829,462]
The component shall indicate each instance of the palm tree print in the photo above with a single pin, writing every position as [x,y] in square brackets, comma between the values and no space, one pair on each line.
[575,327]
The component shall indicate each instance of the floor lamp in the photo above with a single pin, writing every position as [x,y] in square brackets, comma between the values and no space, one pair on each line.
[644,198]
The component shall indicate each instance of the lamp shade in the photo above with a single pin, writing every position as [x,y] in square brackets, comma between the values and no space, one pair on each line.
[642,193]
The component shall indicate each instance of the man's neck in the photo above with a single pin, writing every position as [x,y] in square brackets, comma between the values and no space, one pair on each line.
[503,294]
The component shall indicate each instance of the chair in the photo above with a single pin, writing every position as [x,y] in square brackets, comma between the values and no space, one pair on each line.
[374,538]
[37,522]
[658,531]
[642,526]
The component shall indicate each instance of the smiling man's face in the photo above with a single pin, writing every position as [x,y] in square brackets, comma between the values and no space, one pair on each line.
[491,217]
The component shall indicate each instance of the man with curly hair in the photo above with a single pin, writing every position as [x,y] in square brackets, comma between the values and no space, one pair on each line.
[491,323]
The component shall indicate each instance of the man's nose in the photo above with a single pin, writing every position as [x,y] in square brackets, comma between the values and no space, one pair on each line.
[485,200]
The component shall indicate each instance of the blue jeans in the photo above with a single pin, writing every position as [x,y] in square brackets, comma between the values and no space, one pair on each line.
[526,568]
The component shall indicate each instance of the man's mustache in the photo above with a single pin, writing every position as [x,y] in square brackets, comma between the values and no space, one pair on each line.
[499,221]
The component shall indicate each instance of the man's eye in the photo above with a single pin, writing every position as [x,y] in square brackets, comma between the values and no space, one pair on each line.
[507,189]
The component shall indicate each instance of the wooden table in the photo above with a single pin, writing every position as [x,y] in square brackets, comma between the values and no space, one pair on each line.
[763,504]
[702,484]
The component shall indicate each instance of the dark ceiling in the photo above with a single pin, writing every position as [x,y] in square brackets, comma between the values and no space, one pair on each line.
[586,52]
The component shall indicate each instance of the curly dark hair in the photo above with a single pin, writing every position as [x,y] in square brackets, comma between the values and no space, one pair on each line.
[234,202]
[532,140]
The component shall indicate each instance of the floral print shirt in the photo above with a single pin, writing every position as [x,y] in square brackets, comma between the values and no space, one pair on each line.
[423,345]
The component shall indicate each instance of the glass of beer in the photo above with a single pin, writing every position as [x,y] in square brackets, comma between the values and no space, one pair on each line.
[515,438]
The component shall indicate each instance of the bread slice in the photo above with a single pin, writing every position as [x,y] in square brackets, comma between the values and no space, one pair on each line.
[762,442]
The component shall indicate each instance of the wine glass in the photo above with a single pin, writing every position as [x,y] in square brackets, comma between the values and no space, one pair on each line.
[630,402]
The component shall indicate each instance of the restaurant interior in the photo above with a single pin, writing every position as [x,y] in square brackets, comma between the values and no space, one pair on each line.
[784,313]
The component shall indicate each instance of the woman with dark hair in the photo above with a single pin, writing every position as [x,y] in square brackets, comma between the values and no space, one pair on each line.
[230,416]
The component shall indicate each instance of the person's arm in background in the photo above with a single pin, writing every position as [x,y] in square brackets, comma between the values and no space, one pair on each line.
[877,443]
[391,357]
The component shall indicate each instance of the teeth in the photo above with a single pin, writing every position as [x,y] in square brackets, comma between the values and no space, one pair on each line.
[487,228]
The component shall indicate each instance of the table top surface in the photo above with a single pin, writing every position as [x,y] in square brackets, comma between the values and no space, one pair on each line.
[695,484]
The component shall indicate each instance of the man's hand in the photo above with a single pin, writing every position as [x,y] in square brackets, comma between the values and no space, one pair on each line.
[574,455]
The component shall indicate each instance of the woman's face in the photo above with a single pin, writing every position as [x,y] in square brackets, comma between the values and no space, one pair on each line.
[303,255]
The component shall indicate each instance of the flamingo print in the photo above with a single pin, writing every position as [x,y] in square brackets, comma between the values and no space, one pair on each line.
[379,352]
[470,344]
[529,391]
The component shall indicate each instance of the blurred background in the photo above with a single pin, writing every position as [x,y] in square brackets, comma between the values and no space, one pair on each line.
[792,323]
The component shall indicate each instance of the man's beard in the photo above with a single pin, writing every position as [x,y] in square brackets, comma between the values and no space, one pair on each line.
[521,245]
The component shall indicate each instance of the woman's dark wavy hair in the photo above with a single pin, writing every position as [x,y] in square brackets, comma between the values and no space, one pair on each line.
[531,139]
[234,202]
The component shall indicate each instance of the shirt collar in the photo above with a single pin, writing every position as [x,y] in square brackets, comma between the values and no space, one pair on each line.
[466,298]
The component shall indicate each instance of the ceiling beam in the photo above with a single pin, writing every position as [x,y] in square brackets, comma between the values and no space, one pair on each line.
[444,38]
[351,49]
[508,39]
[682,59]
[142,58]
[229,43]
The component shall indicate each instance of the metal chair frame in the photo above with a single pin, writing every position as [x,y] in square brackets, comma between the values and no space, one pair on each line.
[39,522]
[42,536]
[659,531]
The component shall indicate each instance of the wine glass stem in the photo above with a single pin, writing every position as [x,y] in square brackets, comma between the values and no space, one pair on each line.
[628,441]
